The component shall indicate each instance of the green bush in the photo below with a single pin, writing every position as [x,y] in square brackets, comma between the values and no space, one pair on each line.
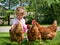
[30,18]
[53,13]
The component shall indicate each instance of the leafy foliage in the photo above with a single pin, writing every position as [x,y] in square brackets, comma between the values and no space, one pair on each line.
[49,9]
[45,10]
[2,1]
[30,18]
[52,13]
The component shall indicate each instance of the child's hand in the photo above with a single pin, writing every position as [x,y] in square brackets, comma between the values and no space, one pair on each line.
[13,26]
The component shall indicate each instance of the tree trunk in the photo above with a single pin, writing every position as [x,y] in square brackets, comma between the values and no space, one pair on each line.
[9,14]
[20,2]
[9,19]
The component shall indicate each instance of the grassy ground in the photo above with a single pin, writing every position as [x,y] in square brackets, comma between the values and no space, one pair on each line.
[5,40]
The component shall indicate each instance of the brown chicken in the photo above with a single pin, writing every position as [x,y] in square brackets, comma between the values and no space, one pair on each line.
[17,33]
[33,33]
[46,32]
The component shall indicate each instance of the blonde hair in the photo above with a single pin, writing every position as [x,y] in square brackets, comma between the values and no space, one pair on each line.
[24,13]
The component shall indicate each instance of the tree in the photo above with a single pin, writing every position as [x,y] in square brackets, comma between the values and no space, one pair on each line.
[46,8]
[9,5]
[53,13]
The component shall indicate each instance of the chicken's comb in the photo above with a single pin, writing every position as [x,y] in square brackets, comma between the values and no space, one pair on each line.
[33,21]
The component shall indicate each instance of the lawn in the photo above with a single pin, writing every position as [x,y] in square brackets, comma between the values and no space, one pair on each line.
[5,40]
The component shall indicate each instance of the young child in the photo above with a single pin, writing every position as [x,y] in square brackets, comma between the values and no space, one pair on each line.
[20,13]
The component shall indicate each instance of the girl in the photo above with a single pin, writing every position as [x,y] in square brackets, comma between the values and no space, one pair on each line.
[20,13]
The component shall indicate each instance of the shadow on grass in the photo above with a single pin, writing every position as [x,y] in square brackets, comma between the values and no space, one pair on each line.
[6,41]
[5,37]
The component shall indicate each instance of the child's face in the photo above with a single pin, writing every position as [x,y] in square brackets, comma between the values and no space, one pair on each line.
[19,16]
[20,13]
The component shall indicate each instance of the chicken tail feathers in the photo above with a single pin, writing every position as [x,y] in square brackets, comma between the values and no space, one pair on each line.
[55,23]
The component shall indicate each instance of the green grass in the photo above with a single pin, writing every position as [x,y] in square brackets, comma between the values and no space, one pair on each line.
[5,40]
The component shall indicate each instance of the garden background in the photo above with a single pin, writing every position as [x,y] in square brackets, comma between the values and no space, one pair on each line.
[43,11]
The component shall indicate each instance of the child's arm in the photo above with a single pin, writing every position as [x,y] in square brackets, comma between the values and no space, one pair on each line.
[24,27]
[13,27]
[14,22]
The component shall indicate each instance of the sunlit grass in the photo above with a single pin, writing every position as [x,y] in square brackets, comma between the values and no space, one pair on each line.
[5,40]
